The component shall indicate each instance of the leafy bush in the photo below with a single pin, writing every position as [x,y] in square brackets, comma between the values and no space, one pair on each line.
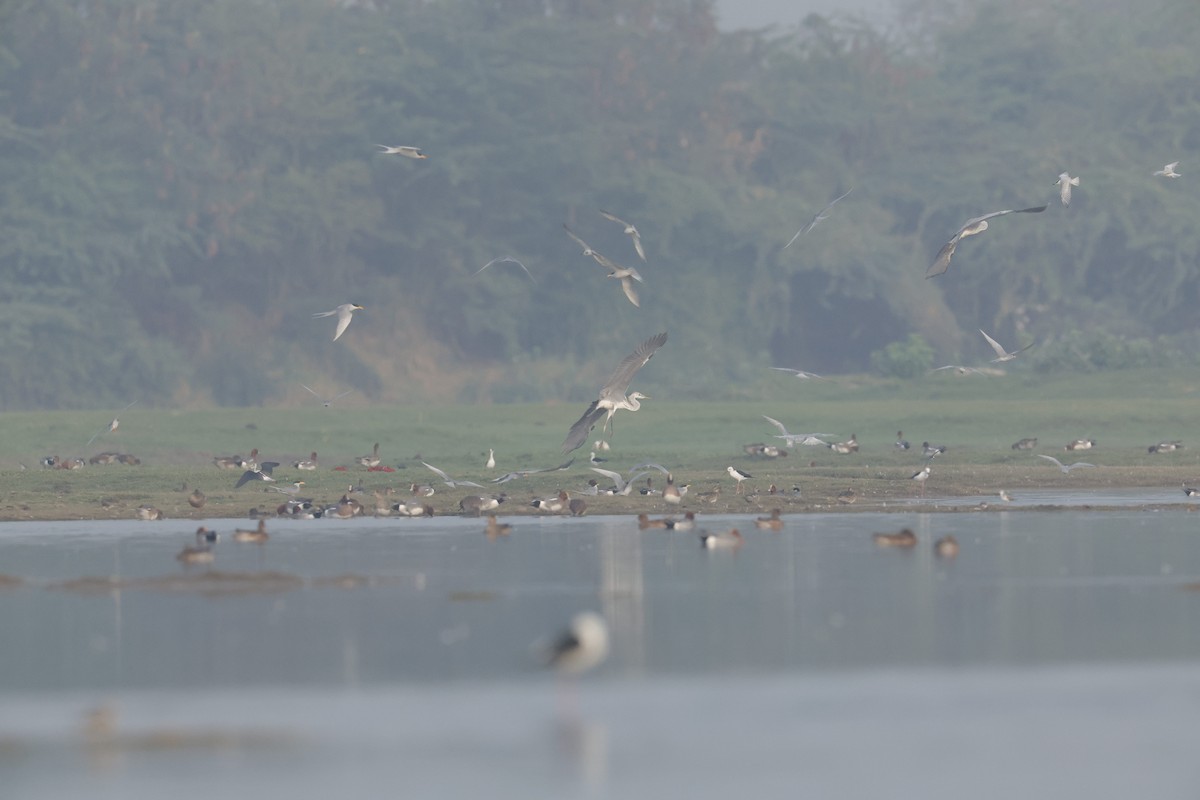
[910,358]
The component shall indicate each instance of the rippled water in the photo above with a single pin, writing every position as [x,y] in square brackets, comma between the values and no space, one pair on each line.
[1059,650]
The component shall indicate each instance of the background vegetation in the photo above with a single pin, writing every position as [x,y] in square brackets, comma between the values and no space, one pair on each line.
[183,184]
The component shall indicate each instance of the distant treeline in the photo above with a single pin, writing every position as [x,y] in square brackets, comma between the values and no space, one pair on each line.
[183,184]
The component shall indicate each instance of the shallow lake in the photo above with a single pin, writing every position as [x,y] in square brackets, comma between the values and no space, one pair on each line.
[1058,651]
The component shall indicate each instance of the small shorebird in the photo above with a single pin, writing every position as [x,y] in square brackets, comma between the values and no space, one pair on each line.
[920,476]
[1064,184]
[946,547]
[491,459]
[771,523]
[1065,468]
[505,260]
[328,402]
[255,536]
[612,395]
[309,463]
[582,646]
[495,529]
[1001,353]
[739,476]
[970,228]
[904,538]
[724,540]
[371,460]
[202,551]
[820,216]
[402,150]
[629,231]
[1168,171]
[197,499]
[344,314]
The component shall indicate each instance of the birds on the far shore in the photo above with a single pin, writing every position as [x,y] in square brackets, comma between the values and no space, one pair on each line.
[971,227]
[344,313]
[739,476]
[1064,184]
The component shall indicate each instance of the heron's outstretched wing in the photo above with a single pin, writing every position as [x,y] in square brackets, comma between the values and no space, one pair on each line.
[942,262]
[619,380]
[582,427]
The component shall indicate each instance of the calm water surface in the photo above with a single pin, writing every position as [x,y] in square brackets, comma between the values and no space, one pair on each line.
[1059,650]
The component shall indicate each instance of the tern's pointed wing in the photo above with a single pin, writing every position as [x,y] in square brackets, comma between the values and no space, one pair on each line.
[1000,351]
[578,241]
[615,477]
[1051,458]
[613,218]
[620,378]
[637,245]
[344,318]
[437,471]
[325,313]
[776,423]
[630,292]
[314,394]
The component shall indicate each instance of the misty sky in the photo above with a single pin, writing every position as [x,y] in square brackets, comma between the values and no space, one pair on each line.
[757,13]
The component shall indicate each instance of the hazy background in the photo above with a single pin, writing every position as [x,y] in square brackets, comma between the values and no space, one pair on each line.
[183,184]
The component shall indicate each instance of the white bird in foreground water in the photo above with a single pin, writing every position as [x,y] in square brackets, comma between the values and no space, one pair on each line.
[344,313]
[402,150]
[1065,182]
[1168,171]
[1065,468]
[1001,353]
[582,646]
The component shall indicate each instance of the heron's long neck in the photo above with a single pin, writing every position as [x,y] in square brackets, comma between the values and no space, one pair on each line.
[633,403]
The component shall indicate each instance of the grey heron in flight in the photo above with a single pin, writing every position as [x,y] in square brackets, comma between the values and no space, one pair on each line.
[612,395]
[344,312]
[970,228]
